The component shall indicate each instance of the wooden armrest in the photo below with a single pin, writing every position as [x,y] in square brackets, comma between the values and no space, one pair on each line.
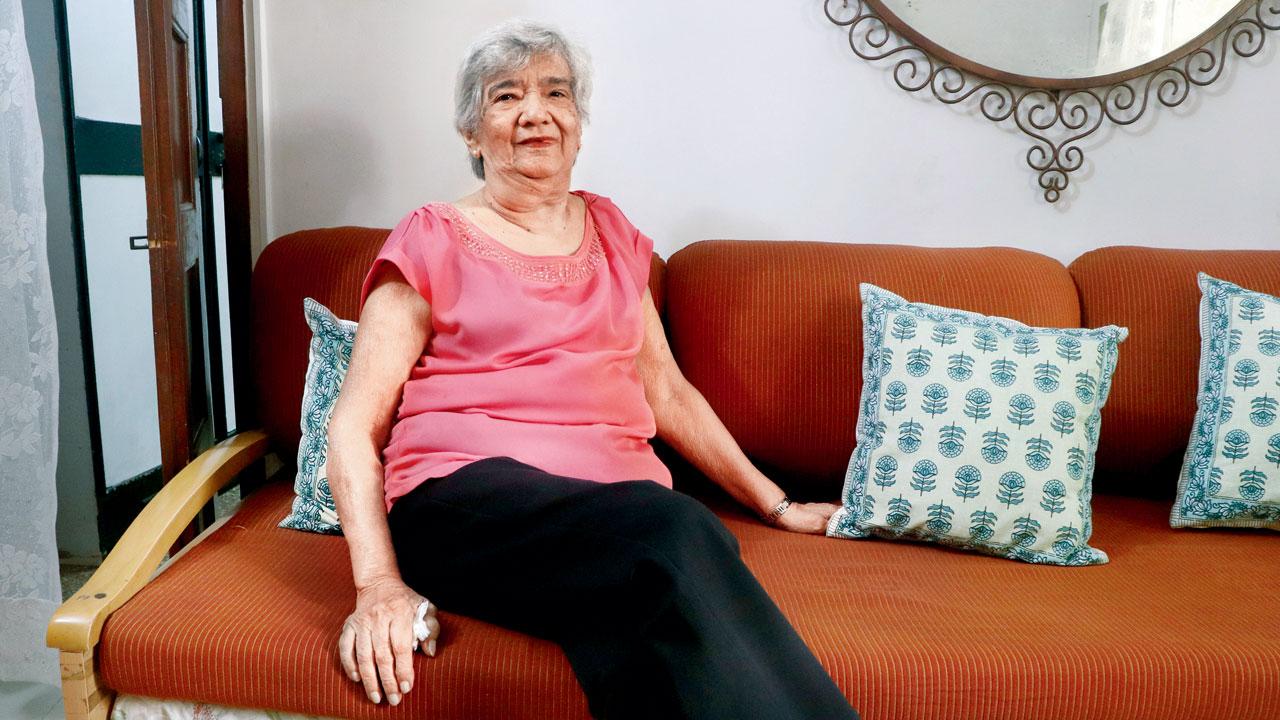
[77,624]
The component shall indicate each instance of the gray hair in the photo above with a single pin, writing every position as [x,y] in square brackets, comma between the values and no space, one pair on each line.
[507,47]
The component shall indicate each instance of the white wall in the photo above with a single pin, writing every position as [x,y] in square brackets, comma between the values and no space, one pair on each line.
[742,120]
[104,60]
[119,286]
[104,68]
[104,81]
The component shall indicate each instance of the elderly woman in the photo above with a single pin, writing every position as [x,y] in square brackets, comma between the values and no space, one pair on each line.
[515,330]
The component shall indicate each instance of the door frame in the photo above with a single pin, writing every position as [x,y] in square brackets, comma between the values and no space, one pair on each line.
[116,509]
[171,204]
[232,74]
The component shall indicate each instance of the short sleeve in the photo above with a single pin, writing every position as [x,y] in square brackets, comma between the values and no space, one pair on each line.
[406,249]
[643,257]
[634,247]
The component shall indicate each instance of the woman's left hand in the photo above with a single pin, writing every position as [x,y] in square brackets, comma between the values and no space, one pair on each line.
[807,517]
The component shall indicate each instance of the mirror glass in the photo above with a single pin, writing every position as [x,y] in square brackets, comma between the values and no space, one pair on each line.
[1060,39]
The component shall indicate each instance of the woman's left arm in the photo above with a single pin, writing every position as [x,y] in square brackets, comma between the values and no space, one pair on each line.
[688,424]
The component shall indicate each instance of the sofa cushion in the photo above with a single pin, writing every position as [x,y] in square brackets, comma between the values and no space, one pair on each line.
[336,261]
[770,333]
[976,431]
[1153,292]
[251,615]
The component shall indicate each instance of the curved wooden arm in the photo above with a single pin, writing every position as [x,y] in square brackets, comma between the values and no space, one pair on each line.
[76,625]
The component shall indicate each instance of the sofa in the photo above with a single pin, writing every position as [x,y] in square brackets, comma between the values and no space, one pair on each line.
[1179,624]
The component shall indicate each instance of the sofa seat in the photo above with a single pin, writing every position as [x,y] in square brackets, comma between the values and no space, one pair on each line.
[251,615]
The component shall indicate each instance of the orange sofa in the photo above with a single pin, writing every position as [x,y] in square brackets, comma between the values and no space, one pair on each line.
[1180,624]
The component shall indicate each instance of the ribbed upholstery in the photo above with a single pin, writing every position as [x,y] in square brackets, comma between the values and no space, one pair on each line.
[771,333]
[1147,421]
[1178,625]
[329,265]
[251,617]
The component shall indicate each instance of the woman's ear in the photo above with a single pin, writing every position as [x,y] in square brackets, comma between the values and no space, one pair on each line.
[473,144]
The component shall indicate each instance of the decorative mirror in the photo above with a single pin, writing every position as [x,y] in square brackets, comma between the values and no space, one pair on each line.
[1056,69]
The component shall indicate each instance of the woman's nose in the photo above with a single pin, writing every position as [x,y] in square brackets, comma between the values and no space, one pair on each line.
[533,110]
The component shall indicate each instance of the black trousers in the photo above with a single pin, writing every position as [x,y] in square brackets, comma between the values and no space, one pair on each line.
[642,587]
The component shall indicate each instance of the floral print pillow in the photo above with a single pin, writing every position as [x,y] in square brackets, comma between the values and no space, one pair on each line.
[976,432]
[331,343]
[1231,472]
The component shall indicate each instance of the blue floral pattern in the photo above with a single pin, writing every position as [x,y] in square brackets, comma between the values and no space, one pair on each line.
[1231,471]
[331,343]
[1013,442]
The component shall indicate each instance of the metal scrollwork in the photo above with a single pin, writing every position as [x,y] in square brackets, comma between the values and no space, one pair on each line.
[1055,119]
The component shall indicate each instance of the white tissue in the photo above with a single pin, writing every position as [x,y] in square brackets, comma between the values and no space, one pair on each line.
[420,631]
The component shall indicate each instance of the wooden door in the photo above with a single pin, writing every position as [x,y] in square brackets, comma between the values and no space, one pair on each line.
[167,80]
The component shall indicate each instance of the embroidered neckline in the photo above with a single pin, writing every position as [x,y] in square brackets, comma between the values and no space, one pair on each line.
[558,269]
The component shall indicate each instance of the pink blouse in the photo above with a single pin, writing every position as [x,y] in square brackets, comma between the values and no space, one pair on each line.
[532,357]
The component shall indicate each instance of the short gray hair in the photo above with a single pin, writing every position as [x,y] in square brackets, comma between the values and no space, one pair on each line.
[507,47]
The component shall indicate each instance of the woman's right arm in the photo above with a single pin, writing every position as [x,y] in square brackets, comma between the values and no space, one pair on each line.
[376,640]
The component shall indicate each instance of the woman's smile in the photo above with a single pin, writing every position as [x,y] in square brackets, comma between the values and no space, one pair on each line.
[529,126]
[538,142]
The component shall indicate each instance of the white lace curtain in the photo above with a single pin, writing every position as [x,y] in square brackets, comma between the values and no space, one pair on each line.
[30,589]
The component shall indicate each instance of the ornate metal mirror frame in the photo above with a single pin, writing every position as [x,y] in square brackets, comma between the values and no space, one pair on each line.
[1055,114]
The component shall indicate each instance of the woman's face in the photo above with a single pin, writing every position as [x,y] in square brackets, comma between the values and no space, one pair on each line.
[529,122]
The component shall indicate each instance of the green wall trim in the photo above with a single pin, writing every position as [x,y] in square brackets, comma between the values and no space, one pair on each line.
[108,148]
[112,148]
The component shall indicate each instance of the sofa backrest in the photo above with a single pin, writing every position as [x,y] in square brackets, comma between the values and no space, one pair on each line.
[770,333]
[330,265]
[1146,423]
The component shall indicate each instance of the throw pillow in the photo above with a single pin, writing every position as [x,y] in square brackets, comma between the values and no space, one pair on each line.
[330,355]
[1231,472]
[976,432]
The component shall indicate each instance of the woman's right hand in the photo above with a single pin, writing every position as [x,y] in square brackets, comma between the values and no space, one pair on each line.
[377,639]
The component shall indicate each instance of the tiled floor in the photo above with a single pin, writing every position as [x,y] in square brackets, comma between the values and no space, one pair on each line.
[29,701]
[74,577]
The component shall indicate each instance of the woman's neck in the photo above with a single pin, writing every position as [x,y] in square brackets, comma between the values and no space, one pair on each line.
[540,207]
